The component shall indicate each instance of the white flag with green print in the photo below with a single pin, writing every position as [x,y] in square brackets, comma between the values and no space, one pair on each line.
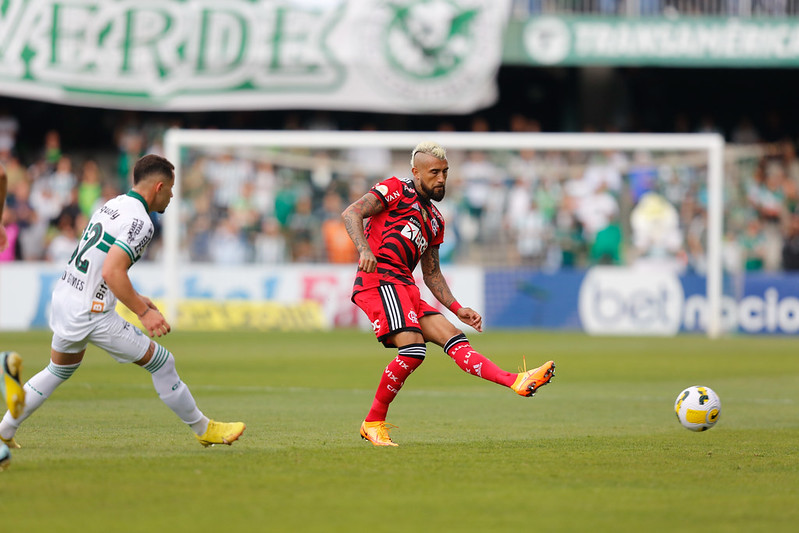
[412,56]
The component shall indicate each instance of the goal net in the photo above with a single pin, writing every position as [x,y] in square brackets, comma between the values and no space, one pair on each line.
[549,202]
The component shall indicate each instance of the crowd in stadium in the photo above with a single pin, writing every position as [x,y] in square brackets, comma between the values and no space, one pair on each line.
[543,210]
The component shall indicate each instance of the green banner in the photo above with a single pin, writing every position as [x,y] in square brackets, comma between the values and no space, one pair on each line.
[692,42]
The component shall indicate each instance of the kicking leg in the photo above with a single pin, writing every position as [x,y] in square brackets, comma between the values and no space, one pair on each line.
[439,330]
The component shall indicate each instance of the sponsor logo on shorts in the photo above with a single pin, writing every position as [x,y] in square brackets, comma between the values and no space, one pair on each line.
[97,307]
[376,325]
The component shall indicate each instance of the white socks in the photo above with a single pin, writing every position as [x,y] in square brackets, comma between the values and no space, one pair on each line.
[37,390]
[173,391]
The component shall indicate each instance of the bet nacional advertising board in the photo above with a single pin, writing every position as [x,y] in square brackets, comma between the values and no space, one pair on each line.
[630,301]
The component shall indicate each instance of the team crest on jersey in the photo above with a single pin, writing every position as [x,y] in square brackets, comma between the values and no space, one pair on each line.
[413,317]
[434,225]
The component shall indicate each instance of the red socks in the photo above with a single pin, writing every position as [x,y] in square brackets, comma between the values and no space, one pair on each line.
[411,356]
[408,359]
[475,363]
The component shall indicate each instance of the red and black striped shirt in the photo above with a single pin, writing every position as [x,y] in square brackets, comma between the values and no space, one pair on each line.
[399,235]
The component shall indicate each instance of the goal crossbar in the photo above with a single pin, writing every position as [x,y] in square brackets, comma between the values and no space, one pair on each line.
[711,144]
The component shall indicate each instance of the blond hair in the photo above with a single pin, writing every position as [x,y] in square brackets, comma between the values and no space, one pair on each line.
[430,148]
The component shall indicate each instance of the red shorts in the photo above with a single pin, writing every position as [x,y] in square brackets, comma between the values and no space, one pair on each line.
[393,308]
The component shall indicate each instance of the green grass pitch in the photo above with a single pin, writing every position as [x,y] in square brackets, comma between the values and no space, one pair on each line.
[597,450]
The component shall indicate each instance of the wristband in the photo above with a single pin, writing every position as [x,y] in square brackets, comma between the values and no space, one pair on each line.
[144,313]
[454,306]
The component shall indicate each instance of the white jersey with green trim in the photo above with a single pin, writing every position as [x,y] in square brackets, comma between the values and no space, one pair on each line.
[82,294]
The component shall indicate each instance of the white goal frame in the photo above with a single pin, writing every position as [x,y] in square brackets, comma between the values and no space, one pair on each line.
[711,144]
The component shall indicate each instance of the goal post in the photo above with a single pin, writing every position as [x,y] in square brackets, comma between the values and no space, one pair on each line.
[710,145]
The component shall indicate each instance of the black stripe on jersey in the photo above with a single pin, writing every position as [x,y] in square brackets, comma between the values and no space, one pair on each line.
[408,252]
[391,306]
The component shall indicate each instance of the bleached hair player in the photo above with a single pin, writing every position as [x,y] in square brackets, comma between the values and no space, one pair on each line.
[84,302]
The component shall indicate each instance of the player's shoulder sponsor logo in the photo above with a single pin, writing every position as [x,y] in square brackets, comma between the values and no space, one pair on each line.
[136,226]
[386,192]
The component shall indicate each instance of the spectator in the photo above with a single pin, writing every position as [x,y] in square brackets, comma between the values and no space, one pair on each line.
[532,234]
[12,229]
[753,246]
[9,126]
[51,152]
[227,245]
[478,173]
[226,174]
[337,242]
[270,245]
[790,247]
[656,237]
[90,187]
[302,231]
[63,244]
[131,149]
[62,180]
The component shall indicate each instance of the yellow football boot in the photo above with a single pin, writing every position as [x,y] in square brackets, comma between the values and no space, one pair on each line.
[377,433]
[13,393]
[221,433]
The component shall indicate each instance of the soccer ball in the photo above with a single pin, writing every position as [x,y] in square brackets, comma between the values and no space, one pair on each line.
[698,408]
[5,456]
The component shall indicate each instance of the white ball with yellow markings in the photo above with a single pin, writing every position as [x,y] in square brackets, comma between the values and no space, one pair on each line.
[698,408]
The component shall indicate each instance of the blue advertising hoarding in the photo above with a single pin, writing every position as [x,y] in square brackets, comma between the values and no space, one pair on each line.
[629,301]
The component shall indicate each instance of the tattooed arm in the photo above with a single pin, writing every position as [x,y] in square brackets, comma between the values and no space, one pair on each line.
[368,205]
[434,279]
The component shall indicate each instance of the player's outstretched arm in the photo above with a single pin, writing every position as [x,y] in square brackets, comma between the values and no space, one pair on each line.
[366,206]
[115,274]
[434,279]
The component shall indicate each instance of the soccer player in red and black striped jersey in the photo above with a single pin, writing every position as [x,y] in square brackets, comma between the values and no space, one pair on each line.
[404,228]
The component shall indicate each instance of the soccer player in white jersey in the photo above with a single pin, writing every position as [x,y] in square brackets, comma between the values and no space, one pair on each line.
[84,301]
